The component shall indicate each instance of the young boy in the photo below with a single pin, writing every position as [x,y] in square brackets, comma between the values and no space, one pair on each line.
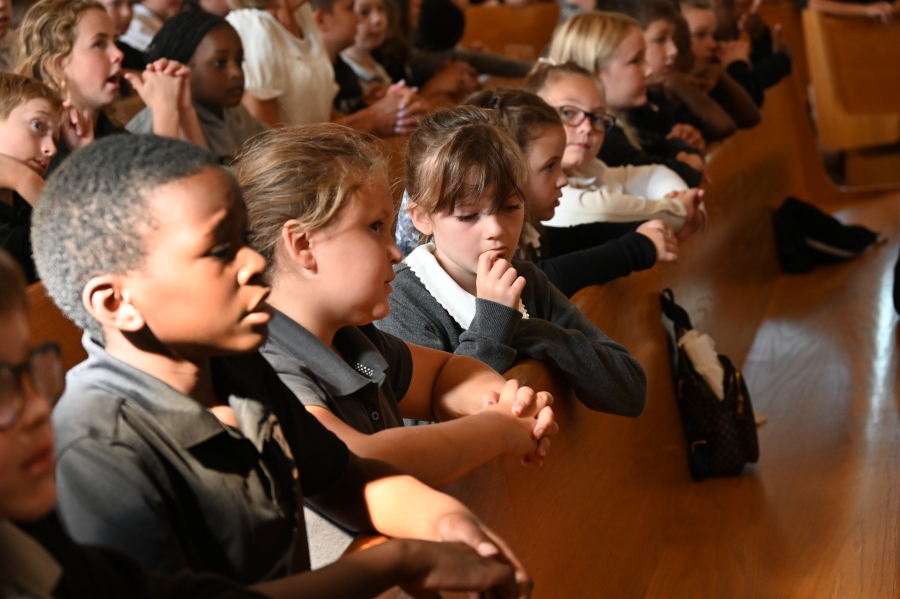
[177,443]
[39,559]
[30,115]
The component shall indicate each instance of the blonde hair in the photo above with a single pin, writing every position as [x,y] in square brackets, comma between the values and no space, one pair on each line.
[308,174]
[591,39]
[15,90]
[545,72]
[457,154]
[47,36]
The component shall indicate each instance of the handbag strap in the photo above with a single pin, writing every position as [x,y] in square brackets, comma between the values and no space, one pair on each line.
[673,311]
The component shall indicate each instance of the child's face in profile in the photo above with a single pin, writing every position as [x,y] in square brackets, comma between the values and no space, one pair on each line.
[29,134]
[461,237]
[355,257]
[372,24]
[217,79]
[120,13]
[27,487]
[93,68]
[545,157]
[339,26]
[573,96]
[661,50]
[702,24]
[625,77]
[200,290]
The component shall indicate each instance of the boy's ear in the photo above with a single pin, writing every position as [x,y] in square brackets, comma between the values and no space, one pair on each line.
[420,220]
[105,300]
[295,243]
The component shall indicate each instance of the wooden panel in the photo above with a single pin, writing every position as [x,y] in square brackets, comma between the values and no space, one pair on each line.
[838,128]
[518,31]
[47,323]
[863,56]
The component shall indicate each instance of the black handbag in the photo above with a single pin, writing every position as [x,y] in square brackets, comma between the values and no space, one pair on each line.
[721,434]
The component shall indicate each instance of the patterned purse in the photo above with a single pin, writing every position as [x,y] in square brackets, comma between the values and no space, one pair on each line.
[721,434]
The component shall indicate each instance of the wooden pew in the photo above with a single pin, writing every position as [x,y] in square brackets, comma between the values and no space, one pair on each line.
[613,513]
[518,31]
[844,126]
[47,323]
[786,14]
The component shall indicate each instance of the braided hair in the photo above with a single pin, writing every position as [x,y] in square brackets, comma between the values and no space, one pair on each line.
[179,37]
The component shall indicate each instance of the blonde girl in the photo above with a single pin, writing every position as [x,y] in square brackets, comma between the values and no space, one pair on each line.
[464,293]
[612,47]
[320,212]
[70,46]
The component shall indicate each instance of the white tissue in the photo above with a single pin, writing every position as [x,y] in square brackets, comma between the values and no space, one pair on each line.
[701,350]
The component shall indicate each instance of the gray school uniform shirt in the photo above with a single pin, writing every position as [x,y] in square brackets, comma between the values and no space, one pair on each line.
[146,470]
[223,135]
[363,389]
[603,375]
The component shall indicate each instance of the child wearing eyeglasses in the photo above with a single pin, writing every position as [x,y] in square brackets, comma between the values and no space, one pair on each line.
[597,192]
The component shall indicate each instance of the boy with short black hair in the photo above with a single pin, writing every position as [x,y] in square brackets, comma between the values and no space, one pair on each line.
[177,442]
[30,115]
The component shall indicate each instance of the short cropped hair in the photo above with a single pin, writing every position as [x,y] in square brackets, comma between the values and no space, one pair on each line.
[308,174]
[644,11]
[16,90]
[524,113]
[93,217]
[458,154]
[12,285]
[591,39]
[47,36]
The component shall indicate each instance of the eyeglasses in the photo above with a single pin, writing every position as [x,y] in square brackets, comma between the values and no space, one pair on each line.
[571,116]
[45,370]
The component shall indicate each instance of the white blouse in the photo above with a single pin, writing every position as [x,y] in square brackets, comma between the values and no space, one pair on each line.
[278,65]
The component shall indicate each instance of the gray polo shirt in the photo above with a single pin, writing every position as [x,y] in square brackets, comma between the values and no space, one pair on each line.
[363,389]
[147,470]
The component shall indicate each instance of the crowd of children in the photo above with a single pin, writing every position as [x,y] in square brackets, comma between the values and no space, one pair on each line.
[257,341]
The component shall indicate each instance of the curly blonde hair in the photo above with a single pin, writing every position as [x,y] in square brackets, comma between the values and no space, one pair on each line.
[308,174]
[47,36]
[591,39]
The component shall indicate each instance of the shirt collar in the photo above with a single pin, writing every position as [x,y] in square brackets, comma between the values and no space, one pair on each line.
[26,566]
[183,419]
[458,302]
[336,375]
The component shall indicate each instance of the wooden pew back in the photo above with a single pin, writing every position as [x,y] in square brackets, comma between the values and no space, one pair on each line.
[518,31]
[47,323]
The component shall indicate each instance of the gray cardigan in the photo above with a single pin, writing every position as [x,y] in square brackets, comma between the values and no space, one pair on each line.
[604,376]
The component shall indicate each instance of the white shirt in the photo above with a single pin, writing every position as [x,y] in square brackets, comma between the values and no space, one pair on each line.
[280,66]
[600,193]
[143,28]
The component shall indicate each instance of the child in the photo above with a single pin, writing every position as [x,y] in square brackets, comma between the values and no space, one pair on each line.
[593,258]
[7,37]
[70,46]
[371,78]
[149,17]
[176,441]
[676,106]
[723,69]
[314,196]
[464,293]
[597,192]
[40,560]
[212,49]
[612,46]
[757,63]
[29,127]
